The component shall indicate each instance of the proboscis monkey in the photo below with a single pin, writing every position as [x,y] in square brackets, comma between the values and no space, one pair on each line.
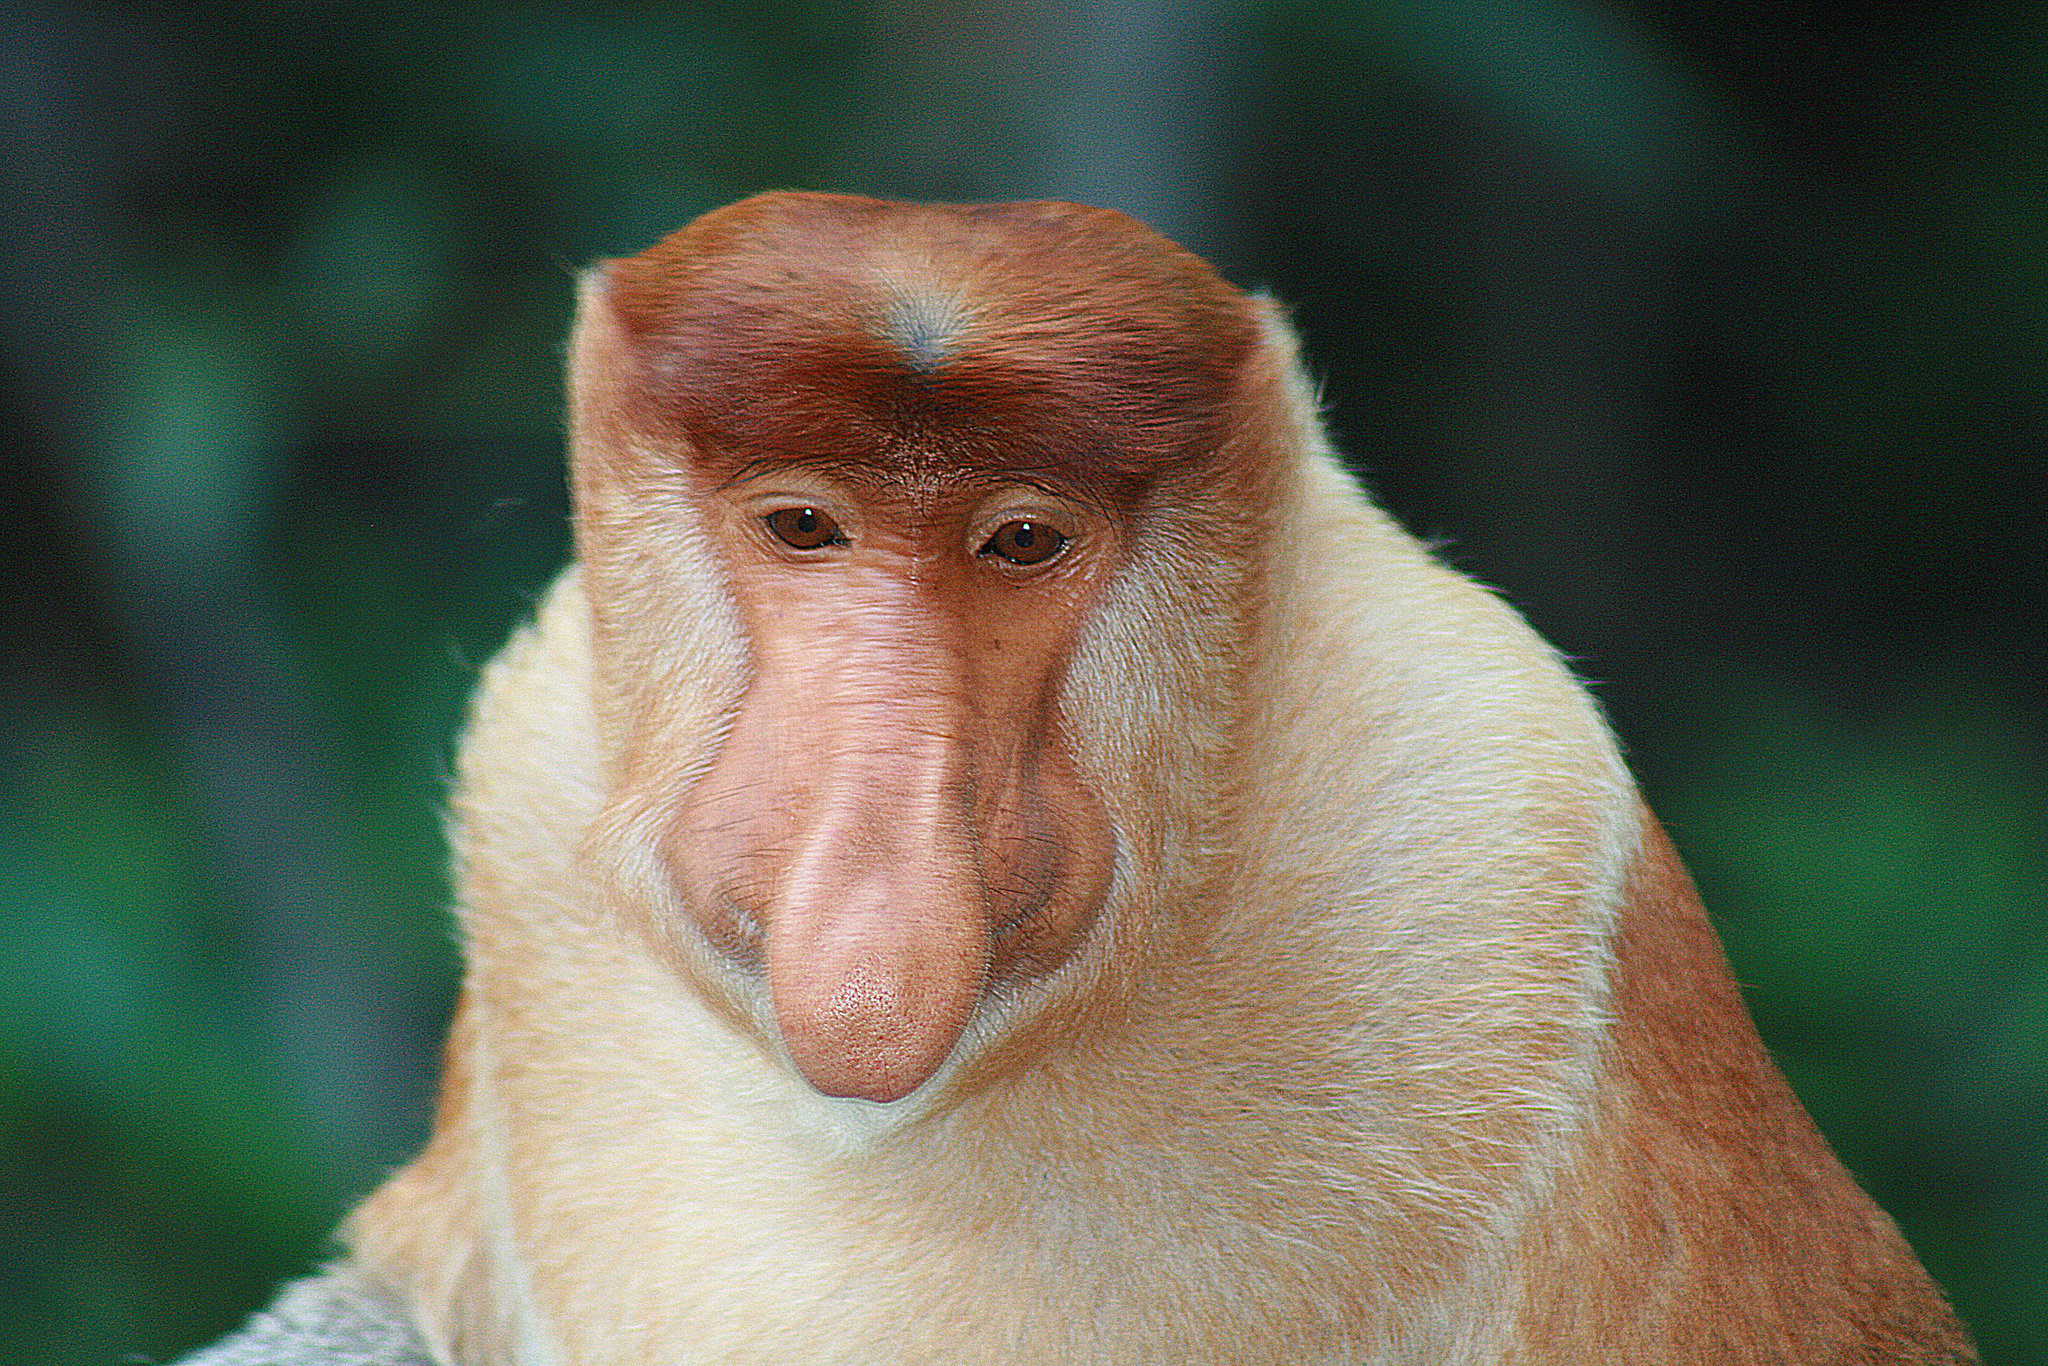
[998,852]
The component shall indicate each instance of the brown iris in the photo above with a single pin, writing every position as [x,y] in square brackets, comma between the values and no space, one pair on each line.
[1025,543]
[804,528]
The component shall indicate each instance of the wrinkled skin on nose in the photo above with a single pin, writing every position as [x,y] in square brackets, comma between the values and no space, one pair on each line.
[893,824]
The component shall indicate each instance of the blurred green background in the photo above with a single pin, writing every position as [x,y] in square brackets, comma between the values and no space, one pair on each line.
[1713,335]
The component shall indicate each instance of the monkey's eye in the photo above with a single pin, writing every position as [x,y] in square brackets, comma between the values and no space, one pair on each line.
[1024,543]
[804,528]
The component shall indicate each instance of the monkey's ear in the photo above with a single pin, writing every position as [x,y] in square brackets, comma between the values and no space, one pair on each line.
[603,372]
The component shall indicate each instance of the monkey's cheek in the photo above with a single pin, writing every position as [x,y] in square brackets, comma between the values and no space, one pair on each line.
[1074,847]
[712,895]
[730,926]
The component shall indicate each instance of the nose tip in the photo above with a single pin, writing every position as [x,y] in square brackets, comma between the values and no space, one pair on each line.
[864,872]
[877,1032]
[874,968]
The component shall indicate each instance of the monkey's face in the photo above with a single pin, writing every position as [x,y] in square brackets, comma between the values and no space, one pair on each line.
[883,469]
[893,823]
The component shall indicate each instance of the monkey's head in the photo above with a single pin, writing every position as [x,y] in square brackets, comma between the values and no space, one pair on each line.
[875,470]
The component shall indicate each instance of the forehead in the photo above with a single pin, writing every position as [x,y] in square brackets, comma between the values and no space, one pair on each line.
[927,338]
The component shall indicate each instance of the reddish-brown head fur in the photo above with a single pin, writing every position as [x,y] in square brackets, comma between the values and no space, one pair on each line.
[1039,336]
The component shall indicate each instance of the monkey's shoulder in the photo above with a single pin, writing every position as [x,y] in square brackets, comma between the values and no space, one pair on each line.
[335,1318]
